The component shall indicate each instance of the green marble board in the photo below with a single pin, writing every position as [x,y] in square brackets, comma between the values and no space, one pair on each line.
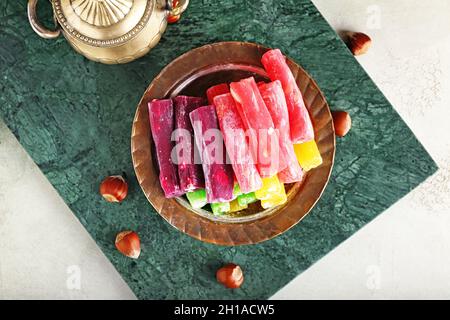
[74,117]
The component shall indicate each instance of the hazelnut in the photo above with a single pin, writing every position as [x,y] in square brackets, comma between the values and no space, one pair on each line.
[129,244]
[230,275]
[114,188]
[342,123]
[358,42]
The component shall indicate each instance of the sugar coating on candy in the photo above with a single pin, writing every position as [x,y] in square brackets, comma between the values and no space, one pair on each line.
[219,180]
[162,125]
[217,90]
[308,155]
[220,208]
[271,186]
[190,174]
[236,207]
[236,190]
[275,199]
[293,173]
[197,198]
[300,123]
[259,125]
[238,150]
[273,96]
[246,198]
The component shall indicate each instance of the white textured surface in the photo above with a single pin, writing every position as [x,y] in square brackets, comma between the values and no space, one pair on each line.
[404,253]
[42,241]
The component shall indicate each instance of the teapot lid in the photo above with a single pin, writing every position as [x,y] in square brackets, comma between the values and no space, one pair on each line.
[103,23]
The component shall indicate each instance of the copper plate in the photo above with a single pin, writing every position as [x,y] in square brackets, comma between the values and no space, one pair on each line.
[191,74]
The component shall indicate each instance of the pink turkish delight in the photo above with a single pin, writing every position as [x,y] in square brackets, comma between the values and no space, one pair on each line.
[263,138]
[300,123]
[233,131]
[273,96]
[219,180]
[216,90]
[190,172]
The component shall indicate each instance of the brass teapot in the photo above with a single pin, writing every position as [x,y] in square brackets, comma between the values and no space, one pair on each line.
[109,31]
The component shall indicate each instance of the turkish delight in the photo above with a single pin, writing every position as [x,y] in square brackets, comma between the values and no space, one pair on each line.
[273,96]
[216,90]
[260,128]
[190,173]
[236,207]
[236,144]
[220,208]
[300,123]
[162,124]
[197,198]
[219,180]
[246,198]
[275,199]
[270,187]
[308,155]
